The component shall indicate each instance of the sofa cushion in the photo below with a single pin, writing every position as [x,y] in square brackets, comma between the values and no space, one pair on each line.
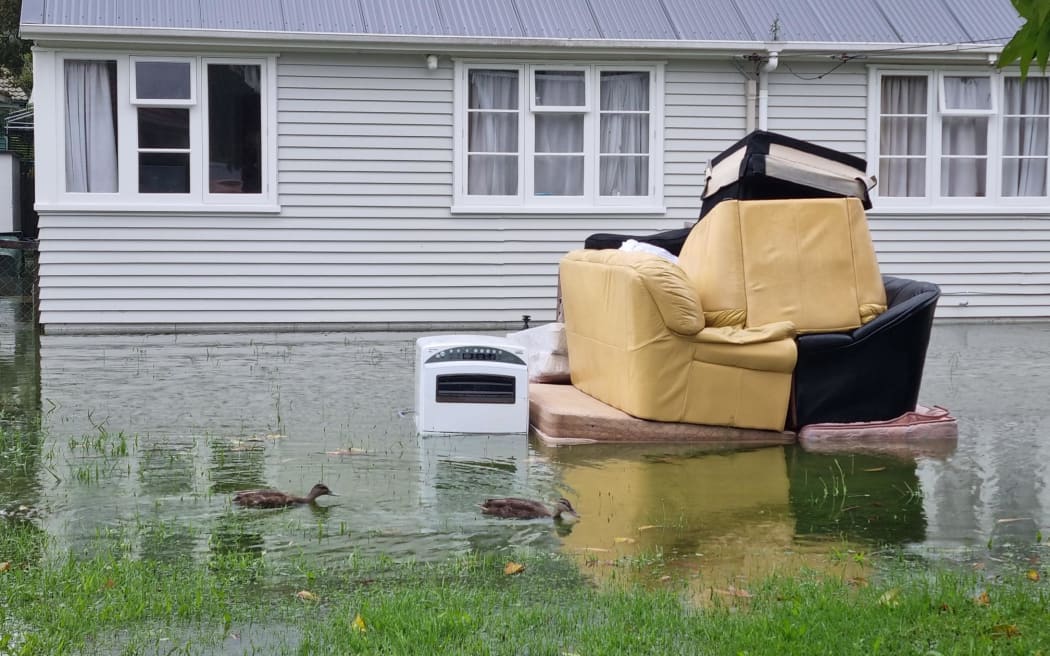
[807,261]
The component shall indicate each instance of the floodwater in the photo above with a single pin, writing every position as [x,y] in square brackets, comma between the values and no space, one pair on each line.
[147,437]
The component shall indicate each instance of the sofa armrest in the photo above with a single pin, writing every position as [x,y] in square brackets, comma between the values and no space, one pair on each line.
[905,298]
[770,332]
[672,294]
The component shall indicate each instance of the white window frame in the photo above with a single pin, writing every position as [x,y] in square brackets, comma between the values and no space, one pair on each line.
[161,102]
[936,109]
[128,198]
[525,202]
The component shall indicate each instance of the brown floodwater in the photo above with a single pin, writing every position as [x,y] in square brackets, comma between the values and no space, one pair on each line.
[145,438]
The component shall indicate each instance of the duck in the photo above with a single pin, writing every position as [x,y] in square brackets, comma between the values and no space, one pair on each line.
[276,499]
[515,508]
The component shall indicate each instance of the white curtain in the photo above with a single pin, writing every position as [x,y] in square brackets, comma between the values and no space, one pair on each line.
[492,128]
[559,174]
[624,141]
[902,137]
[1025,136]
[91,140]
[964,139]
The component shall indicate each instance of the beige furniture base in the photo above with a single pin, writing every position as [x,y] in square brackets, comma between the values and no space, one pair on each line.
[563,415]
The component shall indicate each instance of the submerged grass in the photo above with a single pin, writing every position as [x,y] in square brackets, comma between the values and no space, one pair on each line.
[111,601]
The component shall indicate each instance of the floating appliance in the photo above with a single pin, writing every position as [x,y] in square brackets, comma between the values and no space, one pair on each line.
[471,384]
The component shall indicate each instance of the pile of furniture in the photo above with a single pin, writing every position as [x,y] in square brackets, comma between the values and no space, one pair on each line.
[775,314]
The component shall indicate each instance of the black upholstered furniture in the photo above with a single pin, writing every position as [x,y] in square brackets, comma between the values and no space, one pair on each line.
[671,240]
[874,372]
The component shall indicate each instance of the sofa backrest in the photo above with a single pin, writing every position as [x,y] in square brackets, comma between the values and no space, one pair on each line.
[808,261]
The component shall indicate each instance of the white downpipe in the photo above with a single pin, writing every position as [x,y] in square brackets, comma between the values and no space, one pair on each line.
[751,92]
[768,67]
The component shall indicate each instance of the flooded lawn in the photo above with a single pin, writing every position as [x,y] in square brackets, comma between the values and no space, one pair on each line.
[143,439]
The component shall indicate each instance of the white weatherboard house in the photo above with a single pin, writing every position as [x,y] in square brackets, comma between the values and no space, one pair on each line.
[425,163]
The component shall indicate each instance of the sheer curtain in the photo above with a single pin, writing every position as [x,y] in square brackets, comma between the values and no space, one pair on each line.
[492,133]
[1025,136]
[902,137]
[624,142]
[964,139]
[91,140]
[559,160]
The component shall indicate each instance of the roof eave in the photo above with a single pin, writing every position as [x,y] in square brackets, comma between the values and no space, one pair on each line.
[95,36]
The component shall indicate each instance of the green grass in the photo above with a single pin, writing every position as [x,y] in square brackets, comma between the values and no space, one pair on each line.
[110,602]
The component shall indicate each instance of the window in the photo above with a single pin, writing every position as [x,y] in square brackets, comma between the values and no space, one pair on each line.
[164,133]
[547,137]
[961,139]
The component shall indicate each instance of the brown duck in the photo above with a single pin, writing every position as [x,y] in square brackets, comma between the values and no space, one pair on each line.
[514,508]
[275,499]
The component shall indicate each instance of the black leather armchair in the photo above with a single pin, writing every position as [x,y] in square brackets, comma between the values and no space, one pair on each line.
[874,372]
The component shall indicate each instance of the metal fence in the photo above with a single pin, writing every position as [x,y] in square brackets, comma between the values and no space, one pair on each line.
[18,270]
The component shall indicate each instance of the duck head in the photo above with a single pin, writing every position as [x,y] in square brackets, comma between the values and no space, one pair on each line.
[564,511]
[319,490]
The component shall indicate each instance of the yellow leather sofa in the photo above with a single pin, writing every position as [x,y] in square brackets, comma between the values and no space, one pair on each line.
[638,341]
[807,261]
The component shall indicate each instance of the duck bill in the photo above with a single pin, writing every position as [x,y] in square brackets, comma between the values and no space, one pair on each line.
[569,517]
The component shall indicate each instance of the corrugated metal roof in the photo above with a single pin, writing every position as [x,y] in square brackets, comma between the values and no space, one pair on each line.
[256,15]
[933,24]
[335,16]
[402,17]
[829,21]
[472,18]
[988,20]
[550,19]
[631,19]
[708,20]
[853,21]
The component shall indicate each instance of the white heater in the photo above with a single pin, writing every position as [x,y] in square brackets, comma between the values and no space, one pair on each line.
[471,384]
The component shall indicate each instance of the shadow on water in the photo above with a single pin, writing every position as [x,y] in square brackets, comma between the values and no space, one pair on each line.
[153,434]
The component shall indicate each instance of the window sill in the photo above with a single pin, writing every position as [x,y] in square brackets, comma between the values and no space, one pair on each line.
[128,208]
[996,209]
[564,210]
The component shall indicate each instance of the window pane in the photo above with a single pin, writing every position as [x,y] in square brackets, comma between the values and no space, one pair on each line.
[1024,177]
[902,136]
[91,126]
[234,129]
[558,175]
[964,135]
[492,175]
[624,176]
[493,89]
[903,95]
[968,93]
[625,91]
[164,173]
[1029,97]
[559,133]
[899,178]
[156,80]
[963,177]
[492,132]
[164,128]
[625,133]
[561,89]
[1025,136]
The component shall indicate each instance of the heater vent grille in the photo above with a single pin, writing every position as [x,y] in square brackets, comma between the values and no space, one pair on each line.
[475,388]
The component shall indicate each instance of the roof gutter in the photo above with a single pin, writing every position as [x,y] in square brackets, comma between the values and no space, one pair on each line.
[95,36]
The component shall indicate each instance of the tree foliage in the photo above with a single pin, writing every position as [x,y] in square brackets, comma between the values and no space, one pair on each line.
[1032,41]
[15,56]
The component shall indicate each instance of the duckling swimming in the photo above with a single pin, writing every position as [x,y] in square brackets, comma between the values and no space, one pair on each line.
[275,499]
[515,508]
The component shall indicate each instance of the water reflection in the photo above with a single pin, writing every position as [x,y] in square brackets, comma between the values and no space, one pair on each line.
[159,431]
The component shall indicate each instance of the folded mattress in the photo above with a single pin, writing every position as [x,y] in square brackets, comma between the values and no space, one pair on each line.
[769,166]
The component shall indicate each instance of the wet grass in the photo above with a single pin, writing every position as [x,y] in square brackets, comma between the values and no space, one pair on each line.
[111,601]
